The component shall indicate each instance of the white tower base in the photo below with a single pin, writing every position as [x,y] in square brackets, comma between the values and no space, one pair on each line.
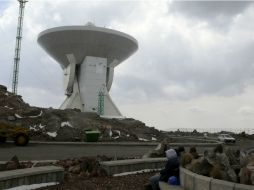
[91,77]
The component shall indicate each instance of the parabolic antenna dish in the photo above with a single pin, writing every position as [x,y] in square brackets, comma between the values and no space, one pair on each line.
[87,40]
[88,55]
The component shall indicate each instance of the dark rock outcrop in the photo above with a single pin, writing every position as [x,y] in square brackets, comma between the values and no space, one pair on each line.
[70,124]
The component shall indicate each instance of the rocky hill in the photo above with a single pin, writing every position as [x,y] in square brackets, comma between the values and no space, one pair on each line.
[70,125]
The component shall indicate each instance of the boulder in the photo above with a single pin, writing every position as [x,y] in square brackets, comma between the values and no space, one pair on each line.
[89,165]
[201,166]
[2,167]
[11,118]
[222,160]
[243,159]
[205,167]
[84,174]
[68,163]
[186,159]
[233,156]
[245,176]
[68,134]
[217,173]
[224,164]
[159,151]
[15,160]
[101,172]
[196,166]
[231,175]
[252,178]
[11,165]
[28,164]
[32,112]
[75,169]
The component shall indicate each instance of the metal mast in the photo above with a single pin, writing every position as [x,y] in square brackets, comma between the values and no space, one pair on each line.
[18,46]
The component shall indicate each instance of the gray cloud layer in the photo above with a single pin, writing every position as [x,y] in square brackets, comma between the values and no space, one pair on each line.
[217,13]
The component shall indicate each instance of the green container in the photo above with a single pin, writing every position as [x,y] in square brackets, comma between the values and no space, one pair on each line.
[92,136]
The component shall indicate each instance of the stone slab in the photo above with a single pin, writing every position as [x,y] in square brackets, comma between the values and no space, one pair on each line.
[202,182]
[122,166]
[221,185]
[133,161]
[29,172]
[243,187]
[182,176]
[189,182]
[36,175]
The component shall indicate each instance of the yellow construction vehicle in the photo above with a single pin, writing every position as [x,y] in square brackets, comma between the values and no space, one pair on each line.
[18,133]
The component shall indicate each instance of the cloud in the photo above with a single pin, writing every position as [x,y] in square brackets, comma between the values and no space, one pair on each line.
[3,5]
[246,110]
[209,9]
[196,109]
[218,14]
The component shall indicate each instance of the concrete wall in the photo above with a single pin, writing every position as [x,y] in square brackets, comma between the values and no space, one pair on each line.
[121,166]
[36,175]
[192,181]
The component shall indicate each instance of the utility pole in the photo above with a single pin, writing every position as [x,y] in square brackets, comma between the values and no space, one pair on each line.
[15,75]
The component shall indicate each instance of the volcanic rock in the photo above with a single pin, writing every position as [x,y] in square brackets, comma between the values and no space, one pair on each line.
[159,151]
[75,169]
[69,125]
[245,176]
[13,164]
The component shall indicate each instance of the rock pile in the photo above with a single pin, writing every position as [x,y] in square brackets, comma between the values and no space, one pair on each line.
[14,164]
[230,165]
[70,125]
[83,167]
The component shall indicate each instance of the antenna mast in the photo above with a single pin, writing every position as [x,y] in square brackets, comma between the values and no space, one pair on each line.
[18,46]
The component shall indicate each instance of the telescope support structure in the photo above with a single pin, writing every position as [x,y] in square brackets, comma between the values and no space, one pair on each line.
[88,55]
[85,83]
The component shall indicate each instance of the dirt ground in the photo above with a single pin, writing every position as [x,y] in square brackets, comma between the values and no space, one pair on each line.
[128,182]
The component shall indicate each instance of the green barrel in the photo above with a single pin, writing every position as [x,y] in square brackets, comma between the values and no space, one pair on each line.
[92,136]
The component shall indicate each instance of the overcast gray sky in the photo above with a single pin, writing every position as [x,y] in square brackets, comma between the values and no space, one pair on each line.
[194,67]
